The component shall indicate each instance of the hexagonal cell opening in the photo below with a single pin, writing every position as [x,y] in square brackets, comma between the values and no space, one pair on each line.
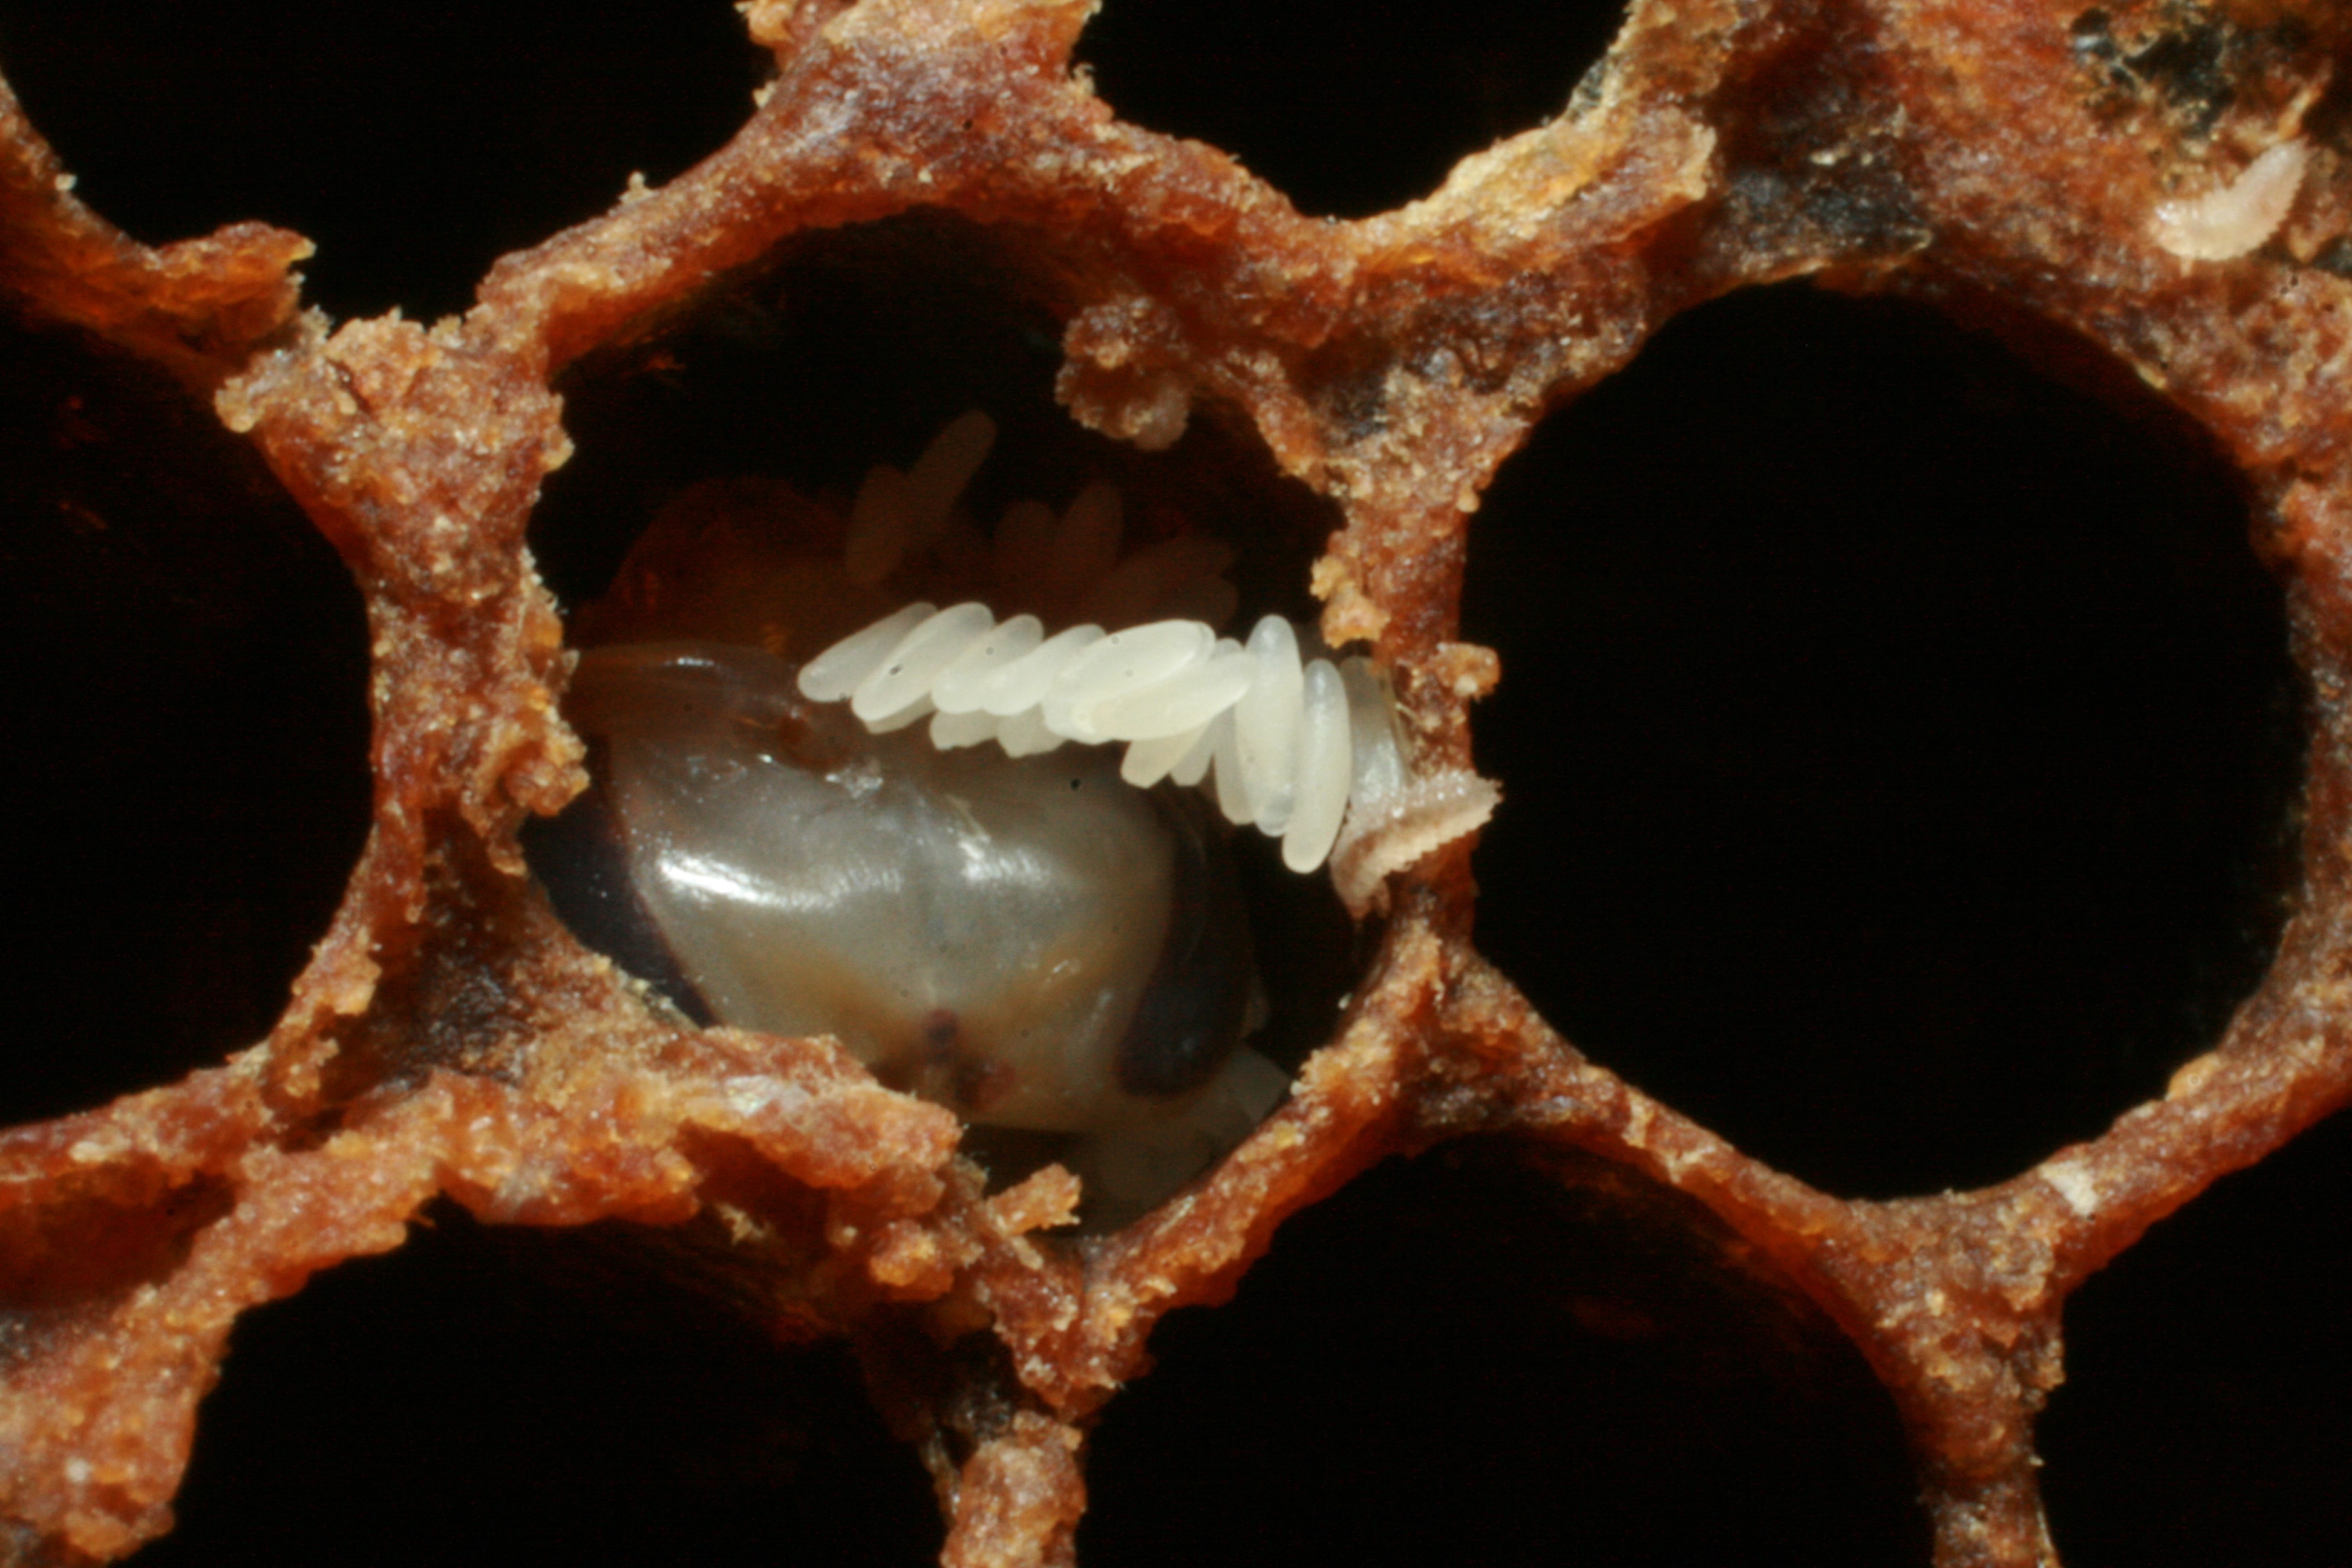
[1502,1355]
[488,1395]
[1902,744]
[1345,119]
[415,144]
[722,453]
[2201,1419]
[188,731]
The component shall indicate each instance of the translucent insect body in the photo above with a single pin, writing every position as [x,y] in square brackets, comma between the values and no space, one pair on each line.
[1026,940]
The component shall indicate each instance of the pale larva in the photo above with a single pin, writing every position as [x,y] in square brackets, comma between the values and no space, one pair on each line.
[2239,218]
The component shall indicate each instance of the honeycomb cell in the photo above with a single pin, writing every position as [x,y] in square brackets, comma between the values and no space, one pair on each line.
[1350,118]
[1914,737]
[186,756]
[744,432]
[365,126]
[2199,1420]
[1536,1356]
[492,1397]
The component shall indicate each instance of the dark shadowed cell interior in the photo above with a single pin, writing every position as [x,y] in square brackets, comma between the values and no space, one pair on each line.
[1493,1357]
[413,143]
[1347,113]
[185,758]
[497,1397]
[1899,745]
[855,346]
[2201,1420]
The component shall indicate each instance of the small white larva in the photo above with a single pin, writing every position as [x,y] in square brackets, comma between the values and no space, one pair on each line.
[2239,218]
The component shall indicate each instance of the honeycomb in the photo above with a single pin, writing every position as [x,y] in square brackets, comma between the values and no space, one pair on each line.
[1466,1260]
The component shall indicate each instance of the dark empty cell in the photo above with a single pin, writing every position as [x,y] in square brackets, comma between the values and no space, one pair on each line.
[413,143]
[2203,1419]
[1473,1358]
[186,730]
[493,1397]
[1899,748]
[1346,112]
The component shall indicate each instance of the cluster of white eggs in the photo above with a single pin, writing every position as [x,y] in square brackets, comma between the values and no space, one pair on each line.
[1276,730]
[1283,738]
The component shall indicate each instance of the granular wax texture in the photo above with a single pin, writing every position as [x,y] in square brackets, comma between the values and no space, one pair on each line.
[449,1041]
